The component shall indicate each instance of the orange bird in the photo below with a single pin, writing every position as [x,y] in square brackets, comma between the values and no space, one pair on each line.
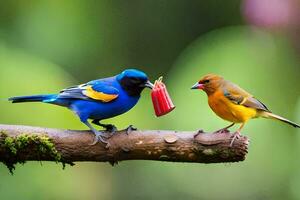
[232,103]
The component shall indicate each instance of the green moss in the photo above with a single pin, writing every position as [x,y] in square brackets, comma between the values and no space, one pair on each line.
[9,143]
[16,148]
[209,152]
[3,134]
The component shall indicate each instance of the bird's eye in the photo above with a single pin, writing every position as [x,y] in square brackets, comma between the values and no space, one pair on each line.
[206,81]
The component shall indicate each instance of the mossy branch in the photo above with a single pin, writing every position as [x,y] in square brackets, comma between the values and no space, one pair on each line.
[24,143]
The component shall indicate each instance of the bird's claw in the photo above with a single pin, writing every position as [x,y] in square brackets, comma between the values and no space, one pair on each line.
[129,129]
[100,138]
[110,128]
[108,135]
[236,135]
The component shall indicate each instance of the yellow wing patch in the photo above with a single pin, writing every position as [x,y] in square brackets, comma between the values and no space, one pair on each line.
[89,92]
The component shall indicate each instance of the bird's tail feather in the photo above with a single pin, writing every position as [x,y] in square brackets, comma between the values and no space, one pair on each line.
[277,117]
[35,98]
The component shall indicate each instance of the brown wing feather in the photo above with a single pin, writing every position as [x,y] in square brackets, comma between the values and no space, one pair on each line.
[239,96]
[254,103]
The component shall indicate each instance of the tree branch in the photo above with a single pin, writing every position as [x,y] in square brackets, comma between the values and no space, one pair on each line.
[25,143]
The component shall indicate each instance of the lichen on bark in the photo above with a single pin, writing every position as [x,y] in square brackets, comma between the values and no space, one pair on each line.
[16,148]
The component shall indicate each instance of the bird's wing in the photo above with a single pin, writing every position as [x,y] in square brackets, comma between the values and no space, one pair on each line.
[255,103]
[239,96]
[96,90]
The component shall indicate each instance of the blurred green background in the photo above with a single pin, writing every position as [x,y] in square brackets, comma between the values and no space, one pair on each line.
[48,45]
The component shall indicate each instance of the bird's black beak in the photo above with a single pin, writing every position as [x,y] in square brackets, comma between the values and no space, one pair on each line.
[197,86]
[148,84]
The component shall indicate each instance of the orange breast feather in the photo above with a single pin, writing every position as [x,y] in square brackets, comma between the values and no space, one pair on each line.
[228,110]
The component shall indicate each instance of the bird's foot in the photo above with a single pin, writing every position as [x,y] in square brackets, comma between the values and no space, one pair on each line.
[129,129]
[110,128]
[100,137]
[108,134]
[236,135]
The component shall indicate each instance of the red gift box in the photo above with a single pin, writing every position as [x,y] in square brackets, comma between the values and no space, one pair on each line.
[161,100]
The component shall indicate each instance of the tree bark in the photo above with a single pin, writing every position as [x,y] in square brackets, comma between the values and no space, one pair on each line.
[160,145]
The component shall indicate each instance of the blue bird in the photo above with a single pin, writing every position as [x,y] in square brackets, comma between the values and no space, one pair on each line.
[98,99]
